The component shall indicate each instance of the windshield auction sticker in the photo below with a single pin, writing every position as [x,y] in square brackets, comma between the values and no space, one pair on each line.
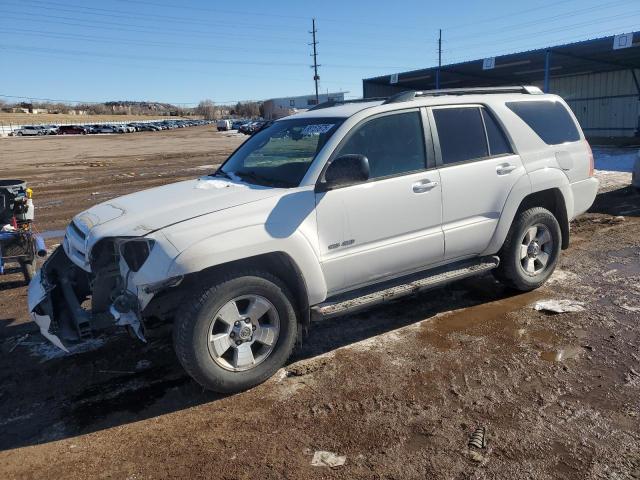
[318,129]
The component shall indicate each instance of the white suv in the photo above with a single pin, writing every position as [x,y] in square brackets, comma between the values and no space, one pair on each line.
[322,213]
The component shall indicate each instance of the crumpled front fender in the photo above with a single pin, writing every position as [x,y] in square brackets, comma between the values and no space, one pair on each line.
[36,295]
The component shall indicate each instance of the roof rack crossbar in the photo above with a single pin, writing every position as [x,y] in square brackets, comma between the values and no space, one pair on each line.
[412,94]
[333,103]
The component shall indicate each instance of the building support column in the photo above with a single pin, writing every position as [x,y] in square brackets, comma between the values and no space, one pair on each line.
[547,67]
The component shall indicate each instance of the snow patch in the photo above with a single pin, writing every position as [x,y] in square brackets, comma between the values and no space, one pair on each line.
[48,351]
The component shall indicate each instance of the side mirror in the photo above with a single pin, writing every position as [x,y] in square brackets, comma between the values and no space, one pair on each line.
[346,170]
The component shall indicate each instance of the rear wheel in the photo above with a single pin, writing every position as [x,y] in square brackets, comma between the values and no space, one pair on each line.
[237,332]
[531,250]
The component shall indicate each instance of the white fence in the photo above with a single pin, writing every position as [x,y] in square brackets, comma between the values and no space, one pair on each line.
[6,127]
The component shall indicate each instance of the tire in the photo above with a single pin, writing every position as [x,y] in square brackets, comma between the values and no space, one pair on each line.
[28,269]
[204,319]
[19,134]
[527,260]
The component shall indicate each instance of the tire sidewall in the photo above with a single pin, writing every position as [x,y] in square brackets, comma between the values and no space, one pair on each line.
[203,368]
[537,216]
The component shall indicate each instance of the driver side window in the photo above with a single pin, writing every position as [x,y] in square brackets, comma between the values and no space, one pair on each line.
[394,144]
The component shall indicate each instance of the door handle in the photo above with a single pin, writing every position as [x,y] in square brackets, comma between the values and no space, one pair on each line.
[424,186]
[505,168]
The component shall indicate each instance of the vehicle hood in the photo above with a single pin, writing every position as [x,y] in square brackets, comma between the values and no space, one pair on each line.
[143,212]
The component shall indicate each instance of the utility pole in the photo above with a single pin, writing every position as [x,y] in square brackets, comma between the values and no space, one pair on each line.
[439,59]
[315,65]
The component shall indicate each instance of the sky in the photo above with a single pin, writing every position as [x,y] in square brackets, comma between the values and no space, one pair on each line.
[181,52]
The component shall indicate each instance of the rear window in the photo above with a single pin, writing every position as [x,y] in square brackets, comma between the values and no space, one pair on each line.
[550,120]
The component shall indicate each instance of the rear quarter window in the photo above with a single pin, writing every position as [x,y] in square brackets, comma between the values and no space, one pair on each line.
[550,120]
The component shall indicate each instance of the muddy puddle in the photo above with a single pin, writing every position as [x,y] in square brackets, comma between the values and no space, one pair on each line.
[494,319]
[562,354]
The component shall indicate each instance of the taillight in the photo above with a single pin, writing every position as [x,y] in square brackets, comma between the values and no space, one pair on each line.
[591,160]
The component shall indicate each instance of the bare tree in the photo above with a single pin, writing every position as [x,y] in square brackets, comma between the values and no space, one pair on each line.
[248,109]
[207,109]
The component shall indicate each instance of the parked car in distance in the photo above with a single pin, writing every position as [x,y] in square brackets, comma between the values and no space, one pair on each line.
[323,213]
[50,129]
[236,124]
[72,130]
[30,130]
[105,128]
[223,125]
[246,128]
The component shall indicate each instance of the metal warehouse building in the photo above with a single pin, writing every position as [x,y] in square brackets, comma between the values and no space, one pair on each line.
[275,108]
[599,79]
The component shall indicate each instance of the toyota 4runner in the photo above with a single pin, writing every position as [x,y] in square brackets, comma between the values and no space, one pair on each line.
[322,213]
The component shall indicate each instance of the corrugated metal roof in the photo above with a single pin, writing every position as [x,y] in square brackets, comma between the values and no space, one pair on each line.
[588,56]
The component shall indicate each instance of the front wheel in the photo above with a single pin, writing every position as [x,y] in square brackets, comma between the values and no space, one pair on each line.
[237,332]
[531,250]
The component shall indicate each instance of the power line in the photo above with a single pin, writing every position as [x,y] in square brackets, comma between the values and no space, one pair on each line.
[554,18]
[526,36]
[118,26]
[508,15]
[563,40]
[127,27]
[185,59]
[100,39]
[146,17]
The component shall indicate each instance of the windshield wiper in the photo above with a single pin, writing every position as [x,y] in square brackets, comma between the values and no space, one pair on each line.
[221,173]
[270,182]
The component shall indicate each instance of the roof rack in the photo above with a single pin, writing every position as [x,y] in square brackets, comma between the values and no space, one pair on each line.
[412,94]
[333,103]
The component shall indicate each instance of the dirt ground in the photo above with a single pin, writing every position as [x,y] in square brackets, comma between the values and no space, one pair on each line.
[397,390]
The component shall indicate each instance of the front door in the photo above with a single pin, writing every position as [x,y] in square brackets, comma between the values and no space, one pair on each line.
[390,224]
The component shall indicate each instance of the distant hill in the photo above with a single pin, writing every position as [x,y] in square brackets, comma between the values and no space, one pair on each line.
[152,106]
[133,107]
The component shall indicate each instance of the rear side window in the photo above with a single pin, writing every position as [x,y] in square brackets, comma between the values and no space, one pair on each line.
[550,120]
[461,134]
[498,144]
[394,144]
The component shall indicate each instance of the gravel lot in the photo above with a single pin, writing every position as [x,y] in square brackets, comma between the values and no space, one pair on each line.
[397,390]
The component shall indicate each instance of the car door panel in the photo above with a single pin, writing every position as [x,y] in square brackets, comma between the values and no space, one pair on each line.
[378,230]
[473,196]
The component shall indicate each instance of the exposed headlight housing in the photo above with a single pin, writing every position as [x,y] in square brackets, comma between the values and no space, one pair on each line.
[135,252]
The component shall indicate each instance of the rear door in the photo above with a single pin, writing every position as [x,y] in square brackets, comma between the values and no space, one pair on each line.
[390,224]
[478,168]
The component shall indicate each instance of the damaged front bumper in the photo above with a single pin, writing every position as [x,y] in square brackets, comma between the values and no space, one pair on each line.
[56,295]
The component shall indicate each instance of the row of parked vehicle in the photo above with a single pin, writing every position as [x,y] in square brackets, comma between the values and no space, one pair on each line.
[248,127]
[39,130]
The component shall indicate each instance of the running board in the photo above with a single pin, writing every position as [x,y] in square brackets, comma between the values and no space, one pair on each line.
[357,300]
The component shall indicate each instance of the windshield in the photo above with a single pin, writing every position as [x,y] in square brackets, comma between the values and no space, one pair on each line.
[280,154]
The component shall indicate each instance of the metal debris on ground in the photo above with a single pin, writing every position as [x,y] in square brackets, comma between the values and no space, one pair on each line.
[322,458]
[478,439]
[18,342]
[559,306]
